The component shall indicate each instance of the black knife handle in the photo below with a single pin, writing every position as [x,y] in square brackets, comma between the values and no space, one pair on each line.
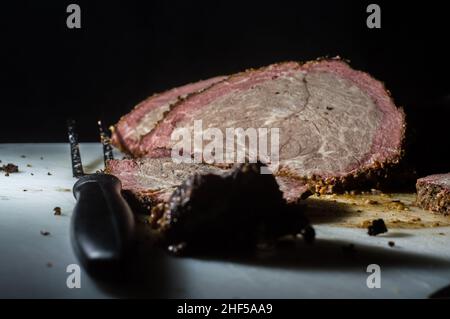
[102,226]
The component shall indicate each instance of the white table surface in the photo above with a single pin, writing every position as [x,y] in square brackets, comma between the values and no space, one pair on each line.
[418,265]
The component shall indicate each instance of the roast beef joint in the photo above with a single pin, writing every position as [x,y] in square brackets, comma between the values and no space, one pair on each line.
[339,128]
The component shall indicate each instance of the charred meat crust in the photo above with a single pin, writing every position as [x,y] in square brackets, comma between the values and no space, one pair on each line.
[236,210]
[9,168]
[377,227]
[433,196]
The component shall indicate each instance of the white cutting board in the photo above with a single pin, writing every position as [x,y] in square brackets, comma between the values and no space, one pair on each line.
[418,265]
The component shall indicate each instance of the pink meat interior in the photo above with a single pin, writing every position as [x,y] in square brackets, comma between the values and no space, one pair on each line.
[333,120]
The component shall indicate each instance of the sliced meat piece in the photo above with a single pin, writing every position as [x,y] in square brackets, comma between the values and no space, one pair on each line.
[139,122]
[433,193]
[152,180]
[338,127]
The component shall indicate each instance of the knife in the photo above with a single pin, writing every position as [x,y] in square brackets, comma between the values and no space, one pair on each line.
[102,224]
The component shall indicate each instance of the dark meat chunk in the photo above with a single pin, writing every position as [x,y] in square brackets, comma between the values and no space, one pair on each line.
[378,227]
[10,168]
[57,211]
[235,211]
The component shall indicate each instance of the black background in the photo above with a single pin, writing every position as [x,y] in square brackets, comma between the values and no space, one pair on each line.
[128,50]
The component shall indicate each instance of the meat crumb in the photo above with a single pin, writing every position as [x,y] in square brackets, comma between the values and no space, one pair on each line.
[370,202]
[57,211]
[378,227]
[397,205]
[9,168]
[45,233]
[391,244]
